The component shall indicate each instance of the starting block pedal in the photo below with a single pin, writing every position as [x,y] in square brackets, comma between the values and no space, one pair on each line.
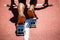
[33,23]
[20,30]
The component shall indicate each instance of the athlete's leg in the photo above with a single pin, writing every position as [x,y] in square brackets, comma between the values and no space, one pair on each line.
[21,7]
[33,4]
[31,9]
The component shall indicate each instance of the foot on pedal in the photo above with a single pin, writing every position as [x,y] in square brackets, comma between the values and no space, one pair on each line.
[20,30]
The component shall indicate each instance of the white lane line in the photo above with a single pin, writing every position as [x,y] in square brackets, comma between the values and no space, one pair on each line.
[27,31]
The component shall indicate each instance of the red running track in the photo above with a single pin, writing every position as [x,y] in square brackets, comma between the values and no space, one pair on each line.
[48,23]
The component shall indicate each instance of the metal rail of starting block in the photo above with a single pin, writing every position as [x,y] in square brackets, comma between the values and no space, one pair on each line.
[20,30]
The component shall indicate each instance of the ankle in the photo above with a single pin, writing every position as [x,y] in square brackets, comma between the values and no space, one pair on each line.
[31,7]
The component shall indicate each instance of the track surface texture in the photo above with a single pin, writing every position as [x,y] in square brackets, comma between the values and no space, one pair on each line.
[47,26]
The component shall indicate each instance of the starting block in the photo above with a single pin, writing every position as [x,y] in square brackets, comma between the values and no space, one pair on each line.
[29,23]
[33,23]
[20,30]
